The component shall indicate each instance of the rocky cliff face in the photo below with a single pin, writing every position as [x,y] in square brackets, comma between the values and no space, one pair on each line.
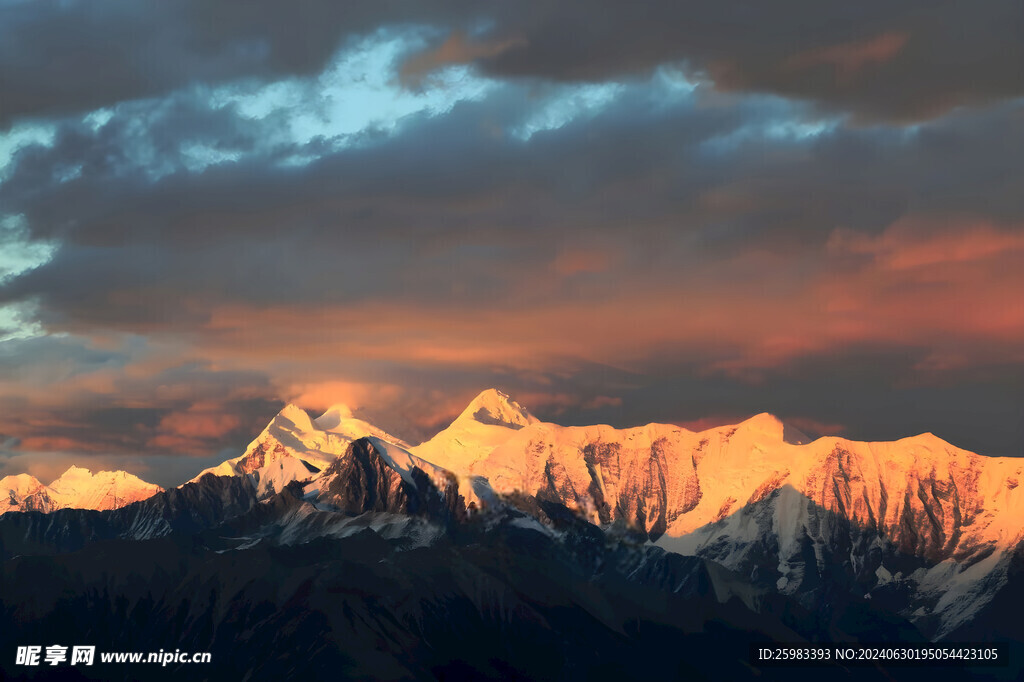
[369,477]
[917,523]
[644,476]
[360,480]
[927,497]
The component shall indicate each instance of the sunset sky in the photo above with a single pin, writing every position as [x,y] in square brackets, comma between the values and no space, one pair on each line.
[618,212]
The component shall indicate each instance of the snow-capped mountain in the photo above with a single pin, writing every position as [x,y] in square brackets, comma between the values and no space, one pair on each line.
[918,523]
[928,531]
[294,447]
[377,476]
[643,476]
[932,499]
[828,540]
[77,488]
[382,590]
[487,422]
[23,492]
[917,514]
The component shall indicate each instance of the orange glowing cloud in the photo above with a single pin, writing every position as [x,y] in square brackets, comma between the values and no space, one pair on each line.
[911,244]
[320,395]
[959,280]
[576,261]
[198,430]
[915,284]
[949,289]
[199,422]
[44,443]
[851,58]
[456,49]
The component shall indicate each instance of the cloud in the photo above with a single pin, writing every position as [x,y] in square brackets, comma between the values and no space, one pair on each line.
[925,59]
[321,395]
[916,244]
[751,310]
[63,58]
[201,421]
[850,59]
[396,220]
[574,261]
[456,49]
[714,236]
[121,396]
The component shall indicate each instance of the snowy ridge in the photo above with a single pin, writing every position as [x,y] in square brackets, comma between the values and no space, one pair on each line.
[487,422]
[751,496]
[22,492]
[77,488]
[919,518]
[377,475]
[689,479]
[403,461]
[607,473]
[295,447]
[306,522]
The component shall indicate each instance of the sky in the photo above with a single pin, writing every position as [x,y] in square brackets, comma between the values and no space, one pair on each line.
[619,213]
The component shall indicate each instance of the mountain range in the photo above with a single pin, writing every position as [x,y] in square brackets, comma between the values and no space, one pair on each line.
[76,488]
[768,534]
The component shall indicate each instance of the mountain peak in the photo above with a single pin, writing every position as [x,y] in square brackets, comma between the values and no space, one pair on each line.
[497,408]
[333,416]
[489,420]
[764,421]
[340,409]
[296,415]
[76,471]
[929,439]
[19,483]
[776,429]
[291,409]
[77,488]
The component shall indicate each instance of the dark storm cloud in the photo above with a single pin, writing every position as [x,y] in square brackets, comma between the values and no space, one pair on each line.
[53,359]
[667,256]
[977,410]
[454,206]
[878,59]
[445,189]
[59,57]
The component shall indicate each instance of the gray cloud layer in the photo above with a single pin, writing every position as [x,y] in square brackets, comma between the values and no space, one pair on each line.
[878,59]
[666,255]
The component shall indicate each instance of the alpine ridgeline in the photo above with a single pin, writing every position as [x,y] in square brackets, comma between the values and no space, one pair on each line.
[295,447]
[76,488]
[931,530]
[789,538]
